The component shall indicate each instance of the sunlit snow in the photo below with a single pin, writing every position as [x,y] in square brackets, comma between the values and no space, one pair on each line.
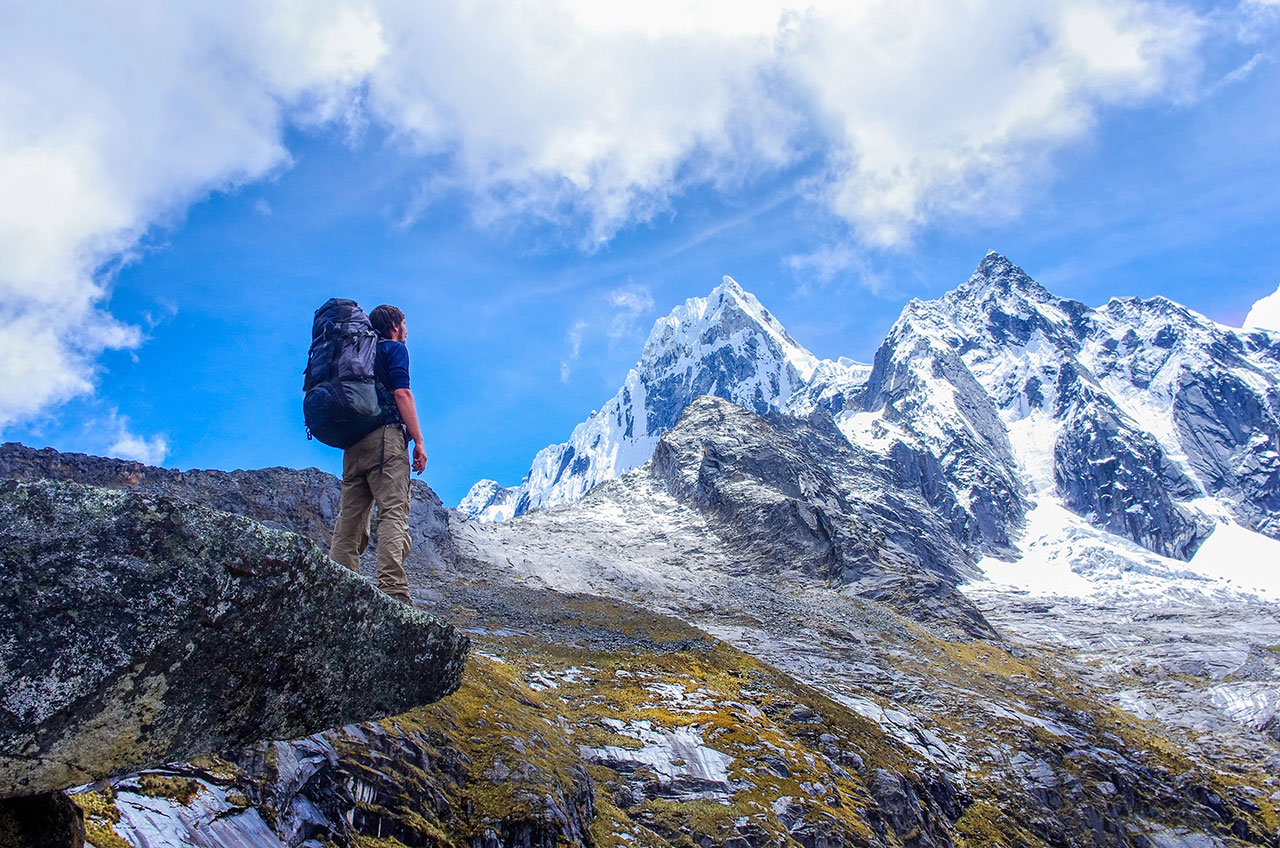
[1065,556]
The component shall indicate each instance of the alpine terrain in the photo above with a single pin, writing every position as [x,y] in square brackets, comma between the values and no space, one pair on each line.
[1013,583]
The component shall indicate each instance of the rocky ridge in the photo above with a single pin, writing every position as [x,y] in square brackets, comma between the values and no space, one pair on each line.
[1151,423]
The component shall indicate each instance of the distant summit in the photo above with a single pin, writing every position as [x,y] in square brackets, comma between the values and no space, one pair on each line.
[726,344]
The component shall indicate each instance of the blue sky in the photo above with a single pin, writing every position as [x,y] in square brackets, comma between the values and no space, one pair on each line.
[535,192]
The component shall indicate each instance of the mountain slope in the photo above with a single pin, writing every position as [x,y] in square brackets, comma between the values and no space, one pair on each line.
[860,717]
[1006,404]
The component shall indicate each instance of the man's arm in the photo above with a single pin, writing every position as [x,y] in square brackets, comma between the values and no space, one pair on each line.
[409,415]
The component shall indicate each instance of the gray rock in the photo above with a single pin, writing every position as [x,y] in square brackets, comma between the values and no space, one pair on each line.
[795,496]
[1232,436]
[304,501]
[1118,476]
[137,629]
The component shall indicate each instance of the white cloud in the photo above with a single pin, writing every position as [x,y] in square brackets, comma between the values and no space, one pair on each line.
[573,110]
[630,303]
[1265,313]
[127,444]
[953,110]
[818,269]
[633,298]
[114,118]
[574,339]
[922,109]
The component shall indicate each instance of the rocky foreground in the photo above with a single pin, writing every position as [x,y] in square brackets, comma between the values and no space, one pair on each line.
[641,679]
[138,629]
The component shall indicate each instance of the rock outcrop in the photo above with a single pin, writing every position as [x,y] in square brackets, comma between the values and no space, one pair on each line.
[138,628]
[303,501]
[794,495]
[51,820]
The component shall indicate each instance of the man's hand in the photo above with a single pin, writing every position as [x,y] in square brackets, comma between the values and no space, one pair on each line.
[409,415]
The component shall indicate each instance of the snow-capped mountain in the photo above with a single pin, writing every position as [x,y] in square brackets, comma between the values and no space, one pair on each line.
[1109,440]
[1144,417]
[1023,566]
[725,344]
[490,500]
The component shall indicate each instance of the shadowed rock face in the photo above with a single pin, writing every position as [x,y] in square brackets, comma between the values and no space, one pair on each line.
[137,629]
[794,495]
[51,820]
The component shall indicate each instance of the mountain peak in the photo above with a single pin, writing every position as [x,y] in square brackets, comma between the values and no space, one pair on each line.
[997,287]
[728,310]
[725,344]
[994,261]
[730,284]
[995,271]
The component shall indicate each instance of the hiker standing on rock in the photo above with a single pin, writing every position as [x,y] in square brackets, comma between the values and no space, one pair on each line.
[375,466]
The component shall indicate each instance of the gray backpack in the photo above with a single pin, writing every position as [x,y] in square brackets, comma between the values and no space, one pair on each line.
[341,404]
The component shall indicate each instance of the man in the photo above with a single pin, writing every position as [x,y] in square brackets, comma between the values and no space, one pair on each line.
[376,468]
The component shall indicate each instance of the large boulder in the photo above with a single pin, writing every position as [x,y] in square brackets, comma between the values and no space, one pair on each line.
[304,500]
[137,629]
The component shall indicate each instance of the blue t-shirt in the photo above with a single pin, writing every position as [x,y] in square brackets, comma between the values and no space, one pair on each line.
[391,369]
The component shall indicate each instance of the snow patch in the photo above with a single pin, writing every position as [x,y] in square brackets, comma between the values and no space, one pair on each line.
[1065,556]
[673,754]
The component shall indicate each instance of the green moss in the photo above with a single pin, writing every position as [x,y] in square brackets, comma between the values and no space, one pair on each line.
[677,820]
[179,789]
[102,836]
[100,814]
[100,804]
[216,768]
[984,825]
[358,841]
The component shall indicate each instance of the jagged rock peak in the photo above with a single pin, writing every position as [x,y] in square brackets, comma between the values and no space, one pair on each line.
[728,310]
[996,275]
[998,305]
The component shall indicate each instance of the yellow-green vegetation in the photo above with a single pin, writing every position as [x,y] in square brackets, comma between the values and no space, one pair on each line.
[1150,742]
[178,789]
[359,841]
[1038,686]
[216,767]
[985,825]
[517,745]
[100,814]
[541,729]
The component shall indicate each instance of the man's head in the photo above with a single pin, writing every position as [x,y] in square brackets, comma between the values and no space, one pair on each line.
[388,323]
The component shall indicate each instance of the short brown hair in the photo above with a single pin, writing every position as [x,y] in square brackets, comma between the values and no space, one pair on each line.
[385,319]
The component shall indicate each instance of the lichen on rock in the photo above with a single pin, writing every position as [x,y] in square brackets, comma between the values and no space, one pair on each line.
[137,629]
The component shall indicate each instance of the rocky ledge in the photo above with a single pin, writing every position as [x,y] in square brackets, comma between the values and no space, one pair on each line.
[138,629]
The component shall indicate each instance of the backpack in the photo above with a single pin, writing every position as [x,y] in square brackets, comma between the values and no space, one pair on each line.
[341,404]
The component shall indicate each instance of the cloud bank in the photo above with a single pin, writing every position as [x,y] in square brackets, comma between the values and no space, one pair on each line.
[1265,313]
[114,118]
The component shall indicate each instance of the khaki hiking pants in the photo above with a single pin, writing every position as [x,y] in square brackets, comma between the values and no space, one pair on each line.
[376,470]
